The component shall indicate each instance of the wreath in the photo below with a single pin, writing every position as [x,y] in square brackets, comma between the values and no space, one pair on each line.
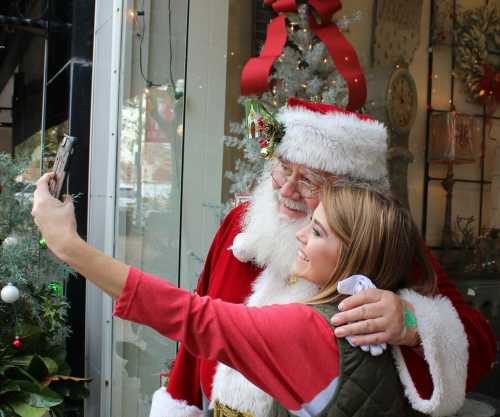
[477,39]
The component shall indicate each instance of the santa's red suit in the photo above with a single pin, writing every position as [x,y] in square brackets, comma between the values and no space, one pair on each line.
[249,262]
[225,277]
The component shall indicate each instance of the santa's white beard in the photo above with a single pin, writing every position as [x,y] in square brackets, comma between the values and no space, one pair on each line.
[271,234]
[269,240]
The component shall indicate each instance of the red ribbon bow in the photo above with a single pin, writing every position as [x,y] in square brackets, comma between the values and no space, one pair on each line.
[255,74]
[490,85]
[489,93]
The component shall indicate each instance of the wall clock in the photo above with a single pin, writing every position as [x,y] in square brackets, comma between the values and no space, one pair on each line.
[401,100]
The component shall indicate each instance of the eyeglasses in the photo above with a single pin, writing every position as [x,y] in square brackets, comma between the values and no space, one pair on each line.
[307,187]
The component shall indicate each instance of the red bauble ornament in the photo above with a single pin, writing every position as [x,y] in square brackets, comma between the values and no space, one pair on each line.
[261,123]
[17,343]
[263,143]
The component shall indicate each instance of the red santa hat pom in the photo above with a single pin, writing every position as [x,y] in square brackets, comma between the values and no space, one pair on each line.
[326,137]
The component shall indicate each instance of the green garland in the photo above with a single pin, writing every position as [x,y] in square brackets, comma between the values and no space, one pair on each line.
[477,31]
[35,379]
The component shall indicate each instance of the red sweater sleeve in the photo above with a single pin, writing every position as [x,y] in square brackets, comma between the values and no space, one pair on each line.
[482,345]
[276,347]
[222,277]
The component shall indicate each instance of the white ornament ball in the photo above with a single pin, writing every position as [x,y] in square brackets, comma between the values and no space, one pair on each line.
[10,241]
[9,293]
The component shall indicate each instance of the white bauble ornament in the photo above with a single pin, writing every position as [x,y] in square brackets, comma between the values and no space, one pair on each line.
[10,241]
[9,293]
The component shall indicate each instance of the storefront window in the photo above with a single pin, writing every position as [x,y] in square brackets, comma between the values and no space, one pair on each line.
[149,177]
[172,187]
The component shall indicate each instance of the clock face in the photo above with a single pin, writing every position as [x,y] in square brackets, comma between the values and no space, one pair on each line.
[401,100]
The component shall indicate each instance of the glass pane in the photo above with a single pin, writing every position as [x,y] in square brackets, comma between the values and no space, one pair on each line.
[148,184]
[486,208]
[490,148]
[435,216]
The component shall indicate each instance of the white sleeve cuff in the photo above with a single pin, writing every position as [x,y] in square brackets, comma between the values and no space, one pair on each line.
[163,405]
[445,347]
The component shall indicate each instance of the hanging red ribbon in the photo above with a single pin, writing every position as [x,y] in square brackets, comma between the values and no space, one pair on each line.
[255,74]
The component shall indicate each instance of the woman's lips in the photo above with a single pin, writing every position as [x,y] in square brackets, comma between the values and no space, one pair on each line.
[302,256]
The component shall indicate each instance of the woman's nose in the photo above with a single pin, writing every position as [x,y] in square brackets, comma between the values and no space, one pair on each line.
[301,235]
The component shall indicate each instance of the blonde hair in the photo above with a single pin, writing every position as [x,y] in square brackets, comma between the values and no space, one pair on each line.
[378,239]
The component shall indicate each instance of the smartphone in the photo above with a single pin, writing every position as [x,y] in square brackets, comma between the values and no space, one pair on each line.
[61,166]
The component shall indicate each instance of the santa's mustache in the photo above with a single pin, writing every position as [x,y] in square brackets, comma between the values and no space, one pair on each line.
[294,205]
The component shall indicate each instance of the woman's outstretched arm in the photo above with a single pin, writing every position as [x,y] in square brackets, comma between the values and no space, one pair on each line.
[56,221]
[249,339]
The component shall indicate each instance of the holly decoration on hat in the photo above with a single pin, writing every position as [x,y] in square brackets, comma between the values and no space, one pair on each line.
[263,126]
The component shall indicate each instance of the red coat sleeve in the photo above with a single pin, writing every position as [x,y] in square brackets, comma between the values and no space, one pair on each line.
[482,345]
[184,380]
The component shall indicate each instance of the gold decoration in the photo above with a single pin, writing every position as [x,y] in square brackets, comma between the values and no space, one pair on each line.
[222,410]
[397,31]
[477,33]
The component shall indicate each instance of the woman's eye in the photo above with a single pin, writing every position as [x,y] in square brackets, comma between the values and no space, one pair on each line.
[316,232]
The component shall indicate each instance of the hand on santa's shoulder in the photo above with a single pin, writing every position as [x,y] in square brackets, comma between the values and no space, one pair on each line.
[374,316]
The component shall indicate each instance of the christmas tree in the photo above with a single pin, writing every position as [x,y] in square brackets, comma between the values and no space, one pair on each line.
[305,70]
[34,378]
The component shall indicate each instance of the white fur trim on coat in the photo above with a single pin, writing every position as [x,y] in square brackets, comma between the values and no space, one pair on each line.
[242,247]
[445,347]
[229,386]
[337,143]
[163,405]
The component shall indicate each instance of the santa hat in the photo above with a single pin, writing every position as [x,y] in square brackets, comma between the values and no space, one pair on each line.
[328,138]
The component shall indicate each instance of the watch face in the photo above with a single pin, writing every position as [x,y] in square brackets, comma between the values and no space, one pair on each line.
[401,100]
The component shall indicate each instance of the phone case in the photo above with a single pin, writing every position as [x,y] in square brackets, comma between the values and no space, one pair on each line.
[61,165]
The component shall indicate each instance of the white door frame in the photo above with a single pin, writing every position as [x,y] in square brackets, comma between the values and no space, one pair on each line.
[202,167]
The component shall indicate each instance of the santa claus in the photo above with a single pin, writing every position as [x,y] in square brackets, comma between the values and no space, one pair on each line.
[249,261]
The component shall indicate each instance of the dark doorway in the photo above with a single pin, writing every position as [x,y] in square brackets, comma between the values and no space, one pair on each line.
[46,55]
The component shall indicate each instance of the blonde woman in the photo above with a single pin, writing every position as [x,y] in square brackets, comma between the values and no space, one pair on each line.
[289,351]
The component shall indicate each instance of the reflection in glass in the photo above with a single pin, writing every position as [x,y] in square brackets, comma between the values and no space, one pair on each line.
[30,150]
[149,168]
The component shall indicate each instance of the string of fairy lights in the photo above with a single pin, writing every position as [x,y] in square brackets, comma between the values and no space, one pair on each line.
[138,17]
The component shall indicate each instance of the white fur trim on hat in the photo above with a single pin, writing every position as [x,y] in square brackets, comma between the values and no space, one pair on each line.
[445,347]
[163,405]
[339,143]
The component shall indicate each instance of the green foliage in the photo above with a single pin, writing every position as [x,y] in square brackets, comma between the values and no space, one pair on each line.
[35,378]
[477,37]
[31,385]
